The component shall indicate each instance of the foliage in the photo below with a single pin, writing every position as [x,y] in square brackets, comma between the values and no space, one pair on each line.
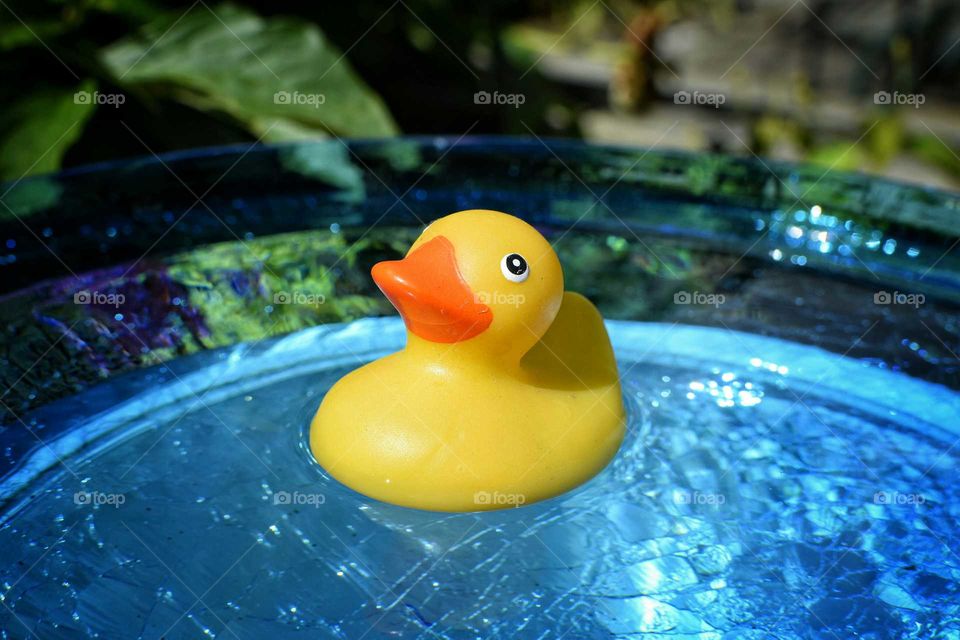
[258,71]
[41,129]
[220,69]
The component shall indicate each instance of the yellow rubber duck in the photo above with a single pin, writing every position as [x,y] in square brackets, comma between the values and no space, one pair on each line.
[506,392]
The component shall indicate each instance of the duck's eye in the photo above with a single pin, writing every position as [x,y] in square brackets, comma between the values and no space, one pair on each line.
[514,267]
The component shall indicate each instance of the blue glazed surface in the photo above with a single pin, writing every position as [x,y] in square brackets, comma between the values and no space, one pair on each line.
[765,490]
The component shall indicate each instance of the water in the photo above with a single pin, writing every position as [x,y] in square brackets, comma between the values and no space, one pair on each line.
[764,490]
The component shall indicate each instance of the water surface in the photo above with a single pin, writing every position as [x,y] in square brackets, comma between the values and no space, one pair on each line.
[764,490]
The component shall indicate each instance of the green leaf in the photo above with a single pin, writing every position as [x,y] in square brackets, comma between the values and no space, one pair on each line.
[283,130]
[330,163]
[842,156]
[257,70]
[39,129]
[29,196]
[17,34]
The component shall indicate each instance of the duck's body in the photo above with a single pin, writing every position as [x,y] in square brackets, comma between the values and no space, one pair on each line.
[464,420]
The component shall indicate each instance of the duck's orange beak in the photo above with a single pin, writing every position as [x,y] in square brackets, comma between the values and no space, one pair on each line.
[427,289]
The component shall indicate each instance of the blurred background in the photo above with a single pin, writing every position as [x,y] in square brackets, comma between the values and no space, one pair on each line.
[869,86]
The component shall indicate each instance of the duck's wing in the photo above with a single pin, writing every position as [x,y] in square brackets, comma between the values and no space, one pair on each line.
[575,352]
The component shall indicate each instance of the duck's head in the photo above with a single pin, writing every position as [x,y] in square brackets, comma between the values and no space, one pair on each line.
[477,277]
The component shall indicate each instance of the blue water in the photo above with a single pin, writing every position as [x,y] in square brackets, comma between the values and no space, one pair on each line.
[765,490]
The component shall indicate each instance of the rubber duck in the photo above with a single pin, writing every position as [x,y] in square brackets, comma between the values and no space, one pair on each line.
[506,392]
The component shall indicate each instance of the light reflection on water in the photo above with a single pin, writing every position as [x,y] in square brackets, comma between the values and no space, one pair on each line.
[819,232]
